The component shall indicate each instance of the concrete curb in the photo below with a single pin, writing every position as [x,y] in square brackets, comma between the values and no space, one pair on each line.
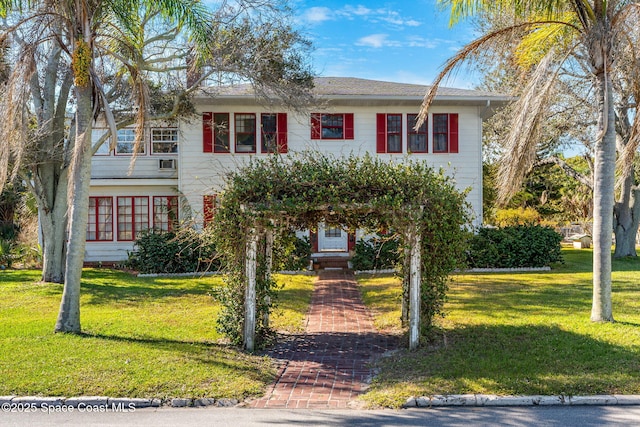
[493,400]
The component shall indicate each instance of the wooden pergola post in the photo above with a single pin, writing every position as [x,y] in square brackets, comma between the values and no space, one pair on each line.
[404,316]
[415,268]
[268,259]
[251,260]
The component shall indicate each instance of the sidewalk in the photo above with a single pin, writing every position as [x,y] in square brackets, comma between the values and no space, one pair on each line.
[330,364]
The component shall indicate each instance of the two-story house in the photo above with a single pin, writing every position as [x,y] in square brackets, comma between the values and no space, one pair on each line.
[181,169]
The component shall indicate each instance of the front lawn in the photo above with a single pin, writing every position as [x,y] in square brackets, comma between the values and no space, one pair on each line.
[516,334]
[143,337]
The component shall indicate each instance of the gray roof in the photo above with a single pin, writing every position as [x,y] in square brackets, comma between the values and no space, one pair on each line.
[332,86]
[351,89]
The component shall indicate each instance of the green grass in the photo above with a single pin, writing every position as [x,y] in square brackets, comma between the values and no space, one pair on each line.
[143,337]
[517,334]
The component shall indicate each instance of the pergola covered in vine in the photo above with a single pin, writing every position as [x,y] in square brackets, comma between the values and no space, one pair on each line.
[421,206]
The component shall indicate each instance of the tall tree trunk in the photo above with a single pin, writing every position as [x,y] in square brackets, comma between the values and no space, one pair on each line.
[626,217]
[603,202]
[53,225]
[50,96]
[80,180]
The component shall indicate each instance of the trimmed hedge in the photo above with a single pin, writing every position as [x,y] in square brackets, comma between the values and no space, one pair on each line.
[516,246]
[184,251]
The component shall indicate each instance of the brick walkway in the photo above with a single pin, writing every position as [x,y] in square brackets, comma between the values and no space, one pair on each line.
[329,365]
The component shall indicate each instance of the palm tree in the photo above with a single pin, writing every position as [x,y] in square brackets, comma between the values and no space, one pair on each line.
[83,29]
[546,35]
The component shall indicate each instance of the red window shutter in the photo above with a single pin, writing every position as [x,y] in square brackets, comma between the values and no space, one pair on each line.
[209,208]
[381,133]
[313,237]
[316,131]
[282,133]
[351,241]
[207,133]
[348,126]
[453,133]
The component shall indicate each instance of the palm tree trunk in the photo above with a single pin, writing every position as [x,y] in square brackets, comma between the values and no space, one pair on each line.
[80,179]
[603,203]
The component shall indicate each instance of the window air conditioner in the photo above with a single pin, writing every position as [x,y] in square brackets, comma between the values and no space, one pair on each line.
[166,164]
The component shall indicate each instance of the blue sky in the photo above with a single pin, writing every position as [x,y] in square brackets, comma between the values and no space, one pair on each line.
[399,41]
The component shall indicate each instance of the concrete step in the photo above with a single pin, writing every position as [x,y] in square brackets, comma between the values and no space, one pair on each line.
[329,262]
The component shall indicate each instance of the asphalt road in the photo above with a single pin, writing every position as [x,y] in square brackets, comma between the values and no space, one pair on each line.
[221,417]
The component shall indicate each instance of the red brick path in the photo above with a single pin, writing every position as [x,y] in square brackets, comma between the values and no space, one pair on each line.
[329,365]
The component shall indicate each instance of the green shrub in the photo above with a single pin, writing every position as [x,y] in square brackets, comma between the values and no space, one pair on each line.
[519,216]
[8,231]
[376,254]
[184,251]
[6,254]
[517,246]
[291,252]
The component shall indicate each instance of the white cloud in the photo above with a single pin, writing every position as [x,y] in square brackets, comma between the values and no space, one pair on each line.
[317,15]
[394,18]
[421,42]
[375,41]
[357,10]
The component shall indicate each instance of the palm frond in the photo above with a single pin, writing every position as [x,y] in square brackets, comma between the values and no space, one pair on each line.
[468,52]
[541,38]
[522,142]
[525,10]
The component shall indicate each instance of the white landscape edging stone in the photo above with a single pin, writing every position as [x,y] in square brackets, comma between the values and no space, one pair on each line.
[627,399]
[535,400]
[505,270]
[38,402]
[131,403]
[602,399]
[86,401]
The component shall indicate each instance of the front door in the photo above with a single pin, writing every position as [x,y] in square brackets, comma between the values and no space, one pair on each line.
[331,239]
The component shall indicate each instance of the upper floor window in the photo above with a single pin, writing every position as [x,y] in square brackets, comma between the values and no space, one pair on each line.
[416,139]
[165,213]
[389,133]
[215,133]
[164,141]
[100,223]
[96,135]
[274,132]
[445,133]
[125,143]
[245,128]
[331,126]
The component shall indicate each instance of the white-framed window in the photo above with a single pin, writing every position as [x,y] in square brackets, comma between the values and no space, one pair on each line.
[126,142]
[96,134]
[100,222]
[245,127]
[164,141]
[133,216]
[165,213]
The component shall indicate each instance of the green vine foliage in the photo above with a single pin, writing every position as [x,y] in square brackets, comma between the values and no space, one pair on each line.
[298,192]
